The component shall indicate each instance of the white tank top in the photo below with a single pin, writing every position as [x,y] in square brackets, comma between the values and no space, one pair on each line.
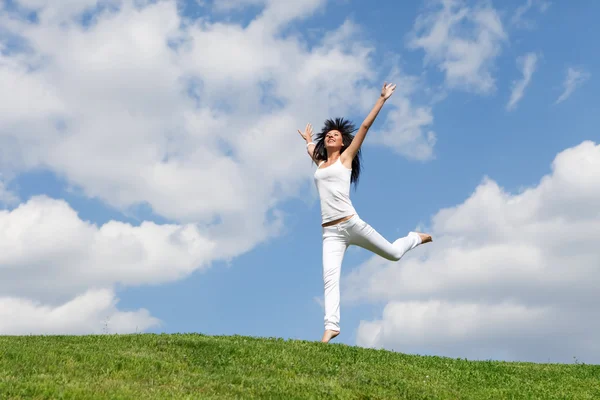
[333,185]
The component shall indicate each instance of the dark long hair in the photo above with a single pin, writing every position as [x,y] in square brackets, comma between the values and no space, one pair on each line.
[347,129]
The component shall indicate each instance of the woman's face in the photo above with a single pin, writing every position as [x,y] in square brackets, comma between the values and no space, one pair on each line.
[333,140]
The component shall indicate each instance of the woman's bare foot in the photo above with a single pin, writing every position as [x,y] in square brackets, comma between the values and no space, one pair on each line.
[328,335]
[425,238]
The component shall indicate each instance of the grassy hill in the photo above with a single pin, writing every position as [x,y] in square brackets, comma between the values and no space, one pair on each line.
[146,366]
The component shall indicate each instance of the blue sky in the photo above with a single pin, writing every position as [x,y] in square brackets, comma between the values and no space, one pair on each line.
[264,280]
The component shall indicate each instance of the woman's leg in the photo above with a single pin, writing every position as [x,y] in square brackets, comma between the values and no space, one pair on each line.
[363,235]
[334,247]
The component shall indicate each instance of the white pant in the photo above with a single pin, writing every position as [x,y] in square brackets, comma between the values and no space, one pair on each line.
[336,239]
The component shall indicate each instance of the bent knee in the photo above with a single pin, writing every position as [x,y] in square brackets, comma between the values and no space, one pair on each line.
[393,256]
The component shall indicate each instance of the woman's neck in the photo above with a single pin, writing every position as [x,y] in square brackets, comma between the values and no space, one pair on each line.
[333,156]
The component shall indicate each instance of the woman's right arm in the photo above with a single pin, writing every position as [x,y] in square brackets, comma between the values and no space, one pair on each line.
[307,136]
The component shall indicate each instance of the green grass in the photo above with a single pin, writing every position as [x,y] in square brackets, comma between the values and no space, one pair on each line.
[146,366]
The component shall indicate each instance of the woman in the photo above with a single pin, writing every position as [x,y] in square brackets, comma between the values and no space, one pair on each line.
[337,155]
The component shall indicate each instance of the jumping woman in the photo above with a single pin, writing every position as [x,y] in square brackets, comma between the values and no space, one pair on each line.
[337,156]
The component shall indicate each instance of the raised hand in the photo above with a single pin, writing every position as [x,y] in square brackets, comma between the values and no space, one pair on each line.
[307,134]
[387,90]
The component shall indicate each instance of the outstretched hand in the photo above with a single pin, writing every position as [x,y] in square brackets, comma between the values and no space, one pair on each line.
[307,134]
[387,90]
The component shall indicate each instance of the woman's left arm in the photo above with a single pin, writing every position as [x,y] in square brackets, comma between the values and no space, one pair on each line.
[350,153]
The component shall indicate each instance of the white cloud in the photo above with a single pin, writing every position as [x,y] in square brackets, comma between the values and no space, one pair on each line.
[489,329]
[405,130]
[195,119]
[518,18]
[64,10]
[7,197]
[278,13]
[49,257]
[128,141]
[509,276]
[274,9]
[94,312]
[574,79]
[44,240]
[527,65]
[114,118]
[273,14]
[228,5]
[463,42]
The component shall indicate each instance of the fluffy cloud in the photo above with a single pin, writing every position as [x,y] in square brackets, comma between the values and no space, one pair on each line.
[489,330]
[135,109]
[518,18]
[6,196]
[44,240]
[57,270]
[509,276]
[462,41]
[407,128]
[574,79]
[134,104]
[91,313]
[275,13]
[406,131]
[527,64]
[60,10]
